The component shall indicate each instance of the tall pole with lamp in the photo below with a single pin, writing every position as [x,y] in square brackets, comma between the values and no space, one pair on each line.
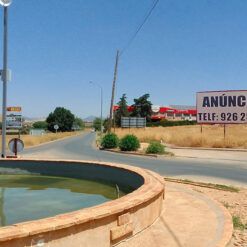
[5,73]
[101,105]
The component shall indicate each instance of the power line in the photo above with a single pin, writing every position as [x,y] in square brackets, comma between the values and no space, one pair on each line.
[140,27]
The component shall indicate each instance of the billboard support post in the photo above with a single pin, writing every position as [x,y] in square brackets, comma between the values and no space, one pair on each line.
[224,132]
[201,134]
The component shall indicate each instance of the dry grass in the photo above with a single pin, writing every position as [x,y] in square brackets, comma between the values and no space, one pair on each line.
[36,140]
[191,136]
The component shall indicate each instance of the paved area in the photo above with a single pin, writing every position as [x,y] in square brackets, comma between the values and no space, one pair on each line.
[198,169]
[189,219]
[219,154]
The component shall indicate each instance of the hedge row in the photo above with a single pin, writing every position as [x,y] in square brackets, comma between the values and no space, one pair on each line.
[129,143]
[166,123]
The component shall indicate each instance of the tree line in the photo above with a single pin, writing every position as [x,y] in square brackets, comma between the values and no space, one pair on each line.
[62,117]
[142,107]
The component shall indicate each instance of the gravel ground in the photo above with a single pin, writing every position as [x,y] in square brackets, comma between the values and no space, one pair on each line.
[236,203]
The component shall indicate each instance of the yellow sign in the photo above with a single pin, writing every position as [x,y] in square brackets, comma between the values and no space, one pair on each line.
[14,108]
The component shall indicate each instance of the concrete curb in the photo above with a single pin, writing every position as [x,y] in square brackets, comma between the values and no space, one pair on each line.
[208,149]
[227,230]
[228,226]
[160,234]
[129,153]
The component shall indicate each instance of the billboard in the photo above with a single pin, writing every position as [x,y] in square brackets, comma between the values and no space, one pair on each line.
[223,107]
[133,122]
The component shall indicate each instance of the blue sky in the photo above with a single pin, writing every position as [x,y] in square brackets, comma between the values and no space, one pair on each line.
[56,47]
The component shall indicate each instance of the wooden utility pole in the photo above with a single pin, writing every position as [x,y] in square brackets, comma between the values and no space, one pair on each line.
[113,92]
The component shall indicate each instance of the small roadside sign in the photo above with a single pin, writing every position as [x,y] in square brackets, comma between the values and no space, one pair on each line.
[56,127]
[14,117]
[14,108]
[16,145]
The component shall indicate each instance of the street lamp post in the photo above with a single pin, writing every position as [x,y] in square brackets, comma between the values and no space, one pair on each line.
[101,105]
[4,72]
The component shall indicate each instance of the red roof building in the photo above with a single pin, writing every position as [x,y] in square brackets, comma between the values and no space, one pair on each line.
[173,112]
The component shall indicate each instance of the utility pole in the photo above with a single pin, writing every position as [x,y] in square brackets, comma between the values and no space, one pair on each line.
[113,92]
[101,105]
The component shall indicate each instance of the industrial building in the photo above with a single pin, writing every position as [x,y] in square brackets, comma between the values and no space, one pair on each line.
[171,112]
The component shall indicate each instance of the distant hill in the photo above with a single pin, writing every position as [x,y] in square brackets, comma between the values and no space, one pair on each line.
[29,119]
[89,119]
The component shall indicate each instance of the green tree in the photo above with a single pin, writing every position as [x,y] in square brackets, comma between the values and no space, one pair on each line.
[40,125]
[106,124]
[62,117]
[78,124]
[122,111]
[97,124]
[142,107]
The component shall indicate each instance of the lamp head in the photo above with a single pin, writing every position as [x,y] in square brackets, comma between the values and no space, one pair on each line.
[5,3]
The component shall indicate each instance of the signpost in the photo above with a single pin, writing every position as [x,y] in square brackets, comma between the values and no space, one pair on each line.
[56,127]
[14,117]
[16,145]
[5,73]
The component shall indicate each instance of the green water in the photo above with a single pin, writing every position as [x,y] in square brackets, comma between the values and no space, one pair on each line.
[31,197]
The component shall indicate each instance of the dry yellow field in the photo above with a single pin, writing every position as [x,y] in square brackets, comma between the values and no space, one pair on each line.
[191,136]
[36,140]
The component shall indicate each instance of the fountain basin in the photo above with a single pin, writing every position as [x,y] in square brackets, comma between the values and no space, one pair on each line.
[103,225]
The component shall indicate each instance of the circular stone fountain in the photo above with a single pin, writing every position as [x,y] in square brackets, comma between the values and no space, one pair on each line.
[102,225]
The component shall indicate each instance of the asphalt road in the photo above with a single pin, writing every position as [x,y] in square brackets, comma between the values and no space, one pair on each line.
[82,148]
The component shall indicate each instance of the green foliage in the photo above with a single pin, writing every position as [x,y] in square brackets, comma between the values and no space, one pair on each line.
[97,124]
[25,130]
[122,110]
[129,143]
[166,123]
[62,117]
[40,125]
[238,224]
[106,124]
[155,148]
[78,124]
[142,107]
[110,141]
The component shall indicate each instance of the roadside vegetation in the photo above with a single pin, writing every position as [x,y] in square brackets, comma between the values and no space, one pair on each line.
[68,125]
[238,224]
[36,140]
[109,141]
[190,136]
[155,148]
[129,143]
[206,185]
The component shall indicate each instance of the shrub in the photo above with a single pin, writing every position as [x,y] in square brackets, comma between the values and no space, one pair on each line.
[40,125]
[167,123]
[110,141]
[155,148]
[129,143]
[97,124]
